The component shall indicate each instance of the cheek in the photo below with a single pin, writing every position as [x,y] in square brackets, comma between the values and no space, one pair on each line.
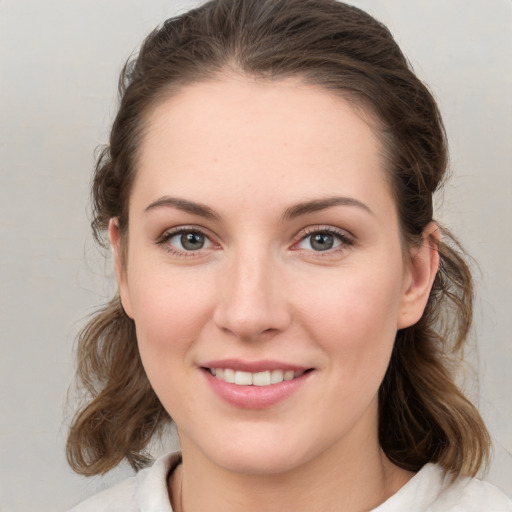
[354,315]
[169,310]
[169,313]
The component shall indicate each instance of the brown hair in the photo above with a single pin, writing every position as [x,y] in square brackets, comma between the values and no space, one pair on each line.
[423,416]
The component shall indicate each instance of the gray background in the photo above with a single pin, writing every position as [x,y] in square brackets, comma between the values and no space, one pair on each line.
[59,61]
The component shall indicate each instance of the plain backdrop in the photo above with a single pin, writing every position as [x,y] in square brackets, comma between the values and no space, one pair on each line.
[59,62]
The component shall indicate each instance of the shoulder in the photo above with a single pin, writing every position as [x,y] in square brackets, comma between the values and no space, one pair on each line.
[471,495]
[431,490]
[119,498]
[144,492]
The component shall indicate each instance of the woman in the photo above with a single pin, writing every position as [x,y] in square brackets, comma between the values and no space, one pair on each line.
[285,295]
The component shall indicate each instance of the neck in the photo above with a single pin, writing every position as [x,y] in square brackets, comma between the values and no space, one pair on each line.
[352,477]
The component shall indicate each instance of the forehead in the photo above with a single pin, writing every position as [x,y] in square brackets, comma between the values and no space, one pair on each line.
[241,106]
[282,139]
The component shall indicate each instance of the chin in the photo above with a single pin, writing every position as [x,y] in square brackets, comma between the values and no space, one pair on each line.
[261,452]
[260,461]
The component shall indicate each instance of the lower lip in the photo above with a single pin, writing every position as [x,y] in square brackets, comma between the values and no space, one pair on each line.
[255,397]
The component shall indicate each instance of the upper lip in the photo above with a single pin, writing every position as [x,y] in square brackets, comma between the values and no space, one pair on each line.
[253,366]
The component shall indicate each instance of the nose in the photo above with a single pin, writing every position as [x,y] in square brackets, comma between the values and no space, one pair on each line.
[252,301]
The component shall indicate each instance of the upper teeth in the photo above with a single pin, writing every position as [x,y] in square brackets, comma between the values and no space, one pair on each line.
[254,379]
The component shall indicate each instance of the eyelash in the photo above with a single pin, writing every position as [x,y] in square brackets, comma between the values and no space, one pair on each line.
[345,240]
[168,235]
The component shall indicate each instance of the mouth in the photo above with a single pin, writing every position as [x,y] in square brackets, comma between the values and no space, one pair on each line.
[254,384]
[263,378]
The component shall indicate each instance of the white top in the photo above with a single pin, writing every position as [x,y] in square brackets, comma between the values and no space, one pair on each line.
[430,490]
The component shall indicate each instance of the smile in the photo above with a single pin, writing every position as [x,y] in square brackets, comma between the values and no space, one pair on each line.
[254,384]
[264,378]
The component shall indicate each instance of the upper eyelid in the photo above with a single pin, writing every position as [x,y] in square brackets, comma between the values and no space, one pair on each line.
[185,228]
[319,228]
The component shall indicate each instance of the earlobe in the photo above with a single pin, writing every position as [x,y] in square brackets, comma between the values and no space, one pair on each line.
[423,266]
[116,244]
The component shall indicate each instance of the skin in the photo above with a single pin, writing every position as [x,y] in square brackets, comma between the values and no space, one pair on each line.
[258,289]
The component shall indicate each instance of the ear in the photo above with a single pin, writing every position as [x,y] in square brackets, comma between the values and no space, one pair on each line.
[114,233]
[422,269]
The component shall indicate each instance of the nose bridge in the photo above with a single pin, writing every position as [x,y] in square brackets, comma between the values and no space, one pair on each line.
[251,299]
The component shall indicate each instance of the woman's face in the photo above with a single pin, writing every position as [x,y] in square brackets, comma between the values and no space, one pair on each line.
[264,247]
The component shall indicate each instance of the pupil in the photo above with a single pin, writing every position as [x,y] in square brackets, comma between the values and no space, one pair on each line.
[322,241]
[192,241]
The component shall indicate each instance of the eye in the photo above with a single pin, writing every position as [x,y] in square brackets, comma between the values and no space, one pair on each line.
[185,240]
[319,241]
[190,241]
[322,239]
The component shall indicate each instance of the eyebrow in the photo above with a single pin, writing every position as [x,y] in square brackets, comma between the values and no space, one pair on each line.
[316,205]
[184,205]
[296,210]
